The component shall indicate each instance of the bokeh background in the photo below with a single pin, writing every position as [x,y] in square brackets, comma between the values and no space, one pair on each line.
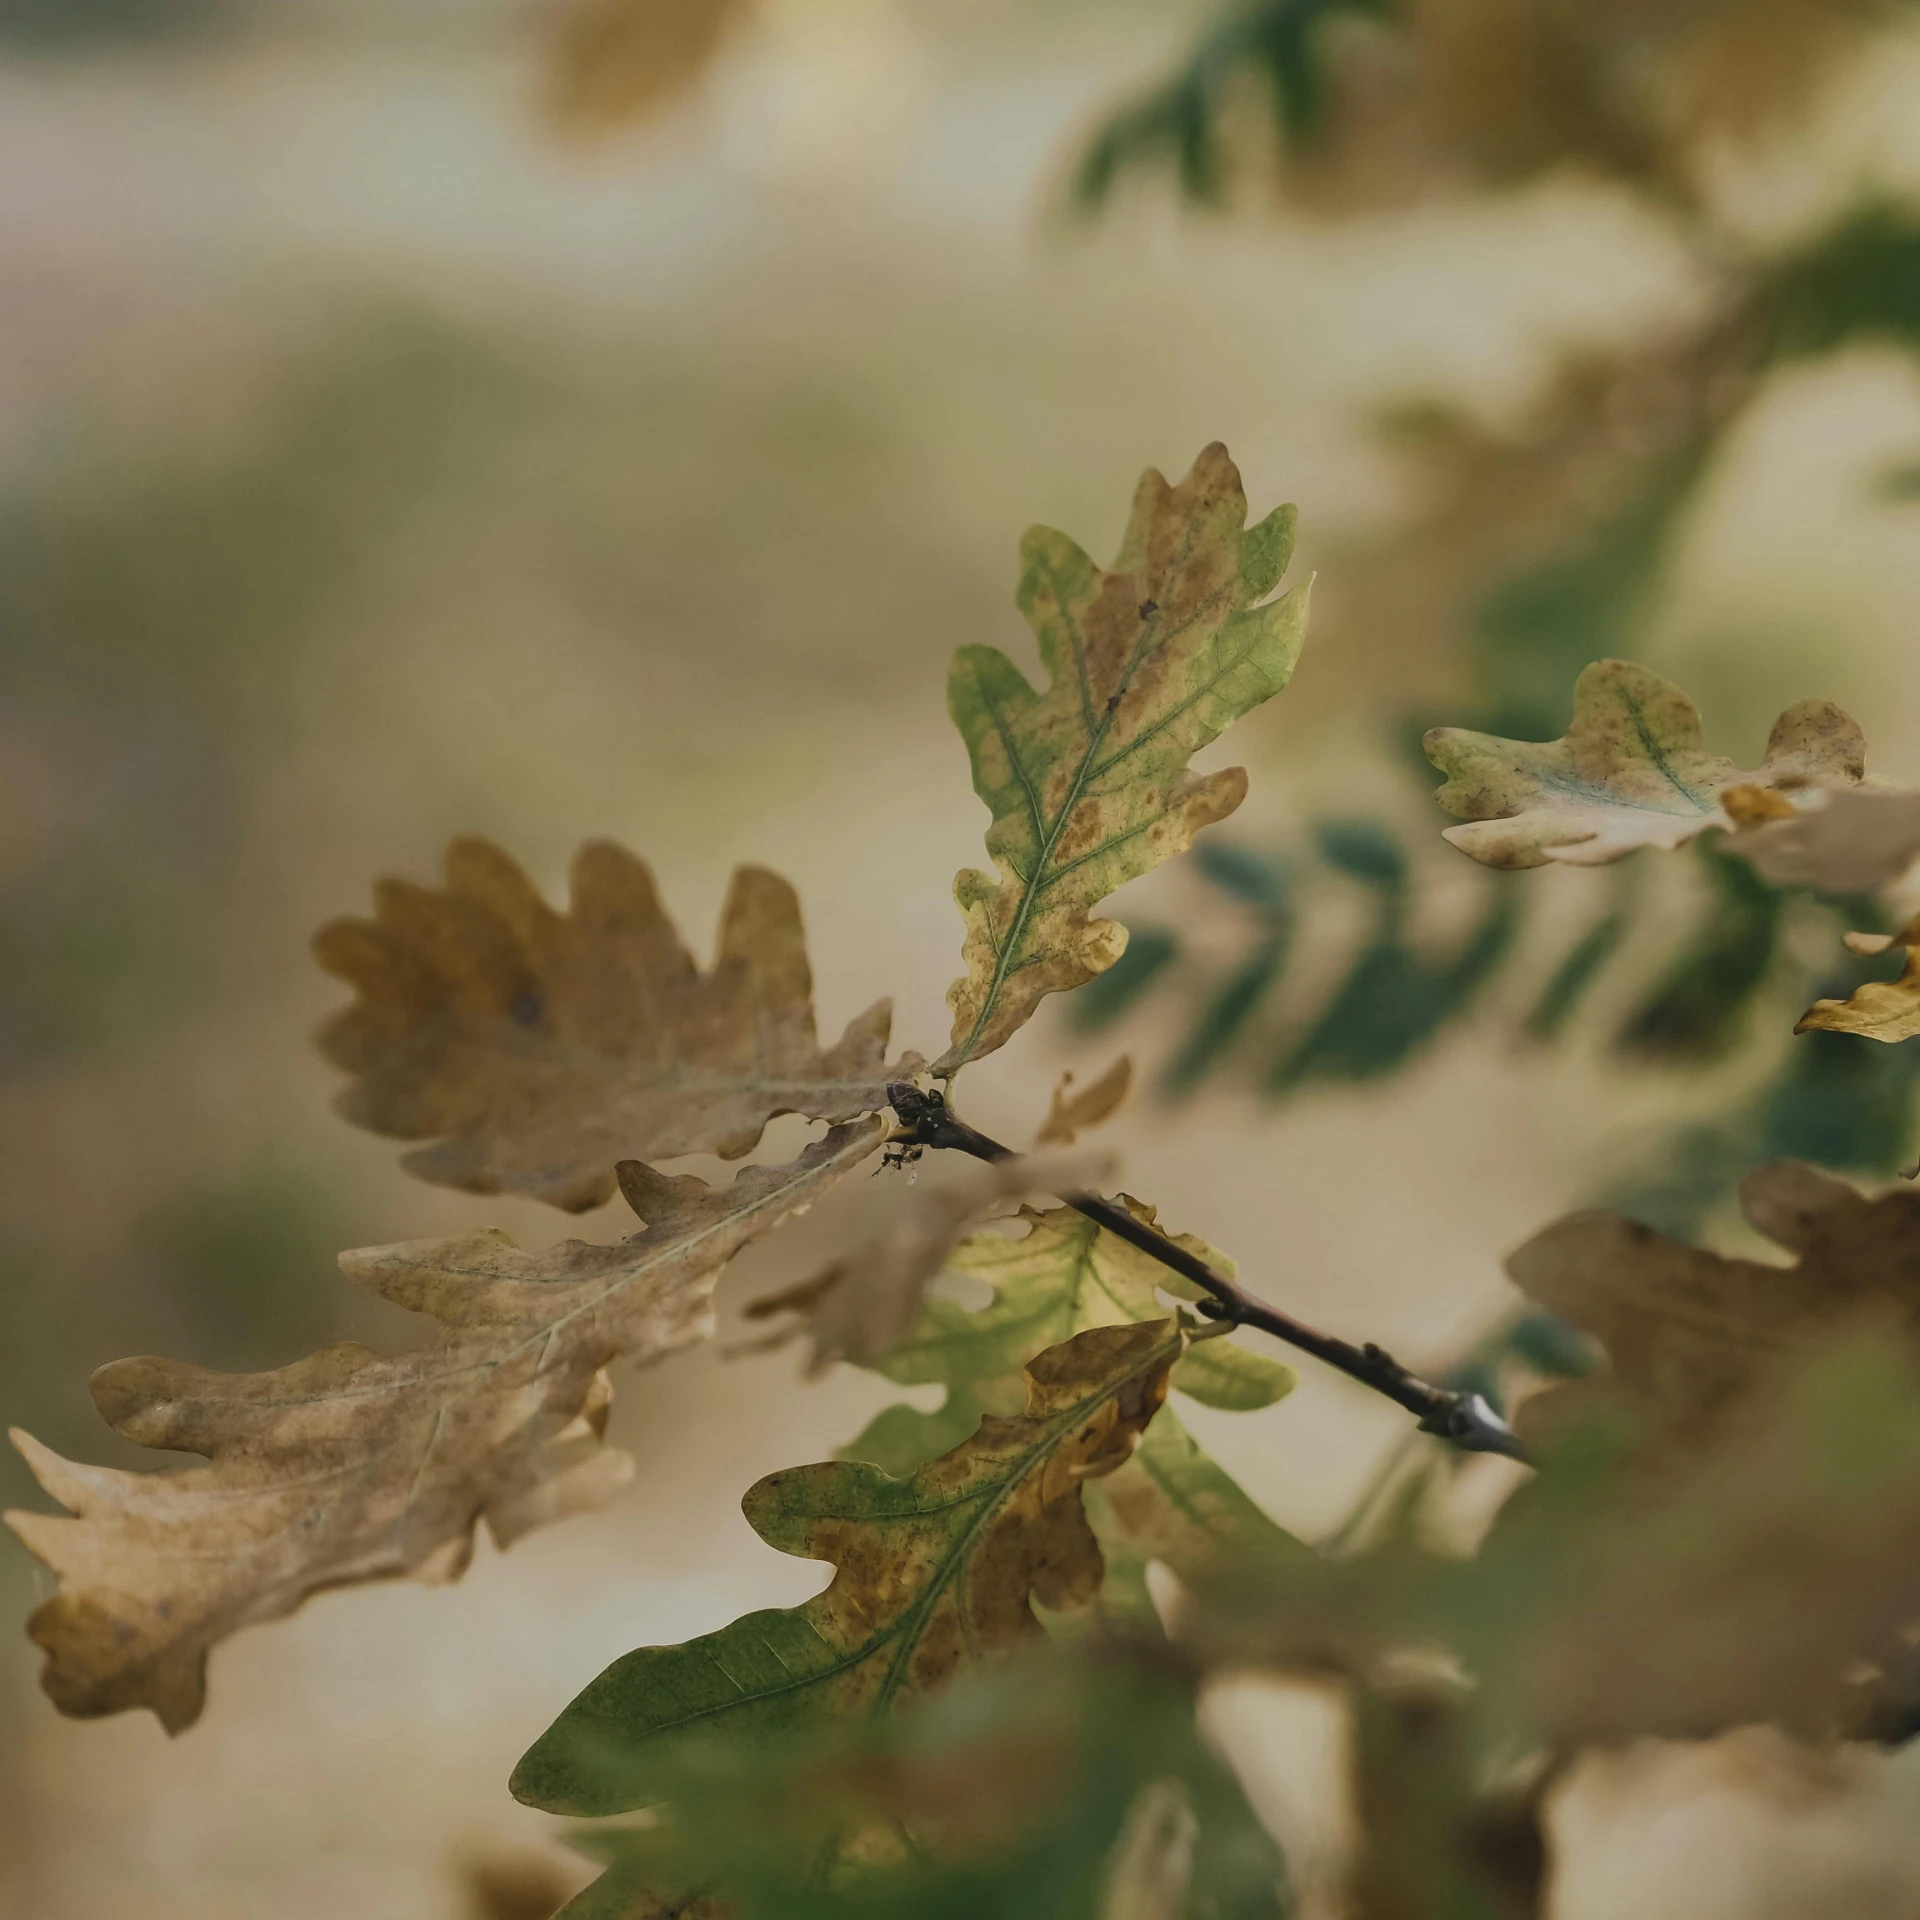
[557,421]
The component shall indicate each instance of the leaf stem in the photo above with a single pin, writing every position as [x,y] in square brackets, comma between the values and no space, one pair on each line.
[1463,1418]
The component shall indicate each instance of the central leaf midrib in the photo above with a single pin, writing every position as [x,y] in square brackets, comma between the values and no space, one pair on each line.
[909,1623]
[916,1617]
[1049,837]
[1657,755]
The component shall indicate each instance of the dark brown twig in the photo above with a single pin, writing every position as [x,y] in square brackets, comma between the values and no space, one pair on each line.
[1463,1418]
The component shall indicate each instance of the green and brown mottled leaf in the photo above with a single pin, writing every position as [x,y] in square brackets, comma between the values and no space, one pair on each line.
[1087,780]
[351,1465]
[1630,772]
[536,1049]
[1170,1502]
[1880,1009]
[936,1572]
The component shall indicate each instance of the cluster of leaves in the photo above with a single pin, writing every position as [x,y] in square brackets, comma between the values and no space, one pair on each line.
[535,1050]
[1717,1535]
[991,1555]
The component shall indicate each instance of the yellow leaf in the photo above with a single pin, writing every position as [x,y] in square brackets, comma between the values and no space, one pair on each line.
[1881,1009]
[351,1465]
[538,1048]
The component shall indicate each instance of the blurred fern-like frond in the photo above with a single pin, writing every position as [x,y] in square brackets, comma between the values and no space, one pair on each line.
[1371,103]
[1671,975]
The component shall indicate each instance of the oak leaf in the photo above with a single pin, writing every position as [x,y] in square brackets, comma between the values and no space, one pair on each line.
[1087,781]
[937,1571]
[1880,1009]
[866,1301]
[1170,1502]
[1694,1335]
[1630,772]
[538,1048]
[351,1465]
[1766,1583]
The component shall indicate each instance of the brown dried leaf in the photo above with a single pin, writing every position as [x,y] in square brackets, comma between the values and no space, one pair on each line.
[538,1048]
[1760,1586]
[1881,1009]
[351,1465]
[865,1303]
[1070,1114]
[1694,1335]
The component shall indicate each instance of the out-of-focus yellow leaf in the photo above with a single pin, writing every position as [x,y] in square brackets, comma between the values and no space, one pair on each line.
[1840,840]
[615,61]
[538,1048]
[1881,1009]
[351,1465]
[1763,1582]
[1069,1114]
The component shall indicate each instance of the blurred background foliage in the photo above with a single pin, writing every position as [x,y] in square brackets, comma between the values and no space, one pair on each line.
[1546,548]
[606,416]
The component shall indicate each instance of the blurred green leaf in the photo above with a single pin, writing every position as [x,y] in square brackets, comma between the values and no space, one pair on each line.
[1274,42]
[1699,1008]
[1016,1795]
[1584,962]
[1396,999]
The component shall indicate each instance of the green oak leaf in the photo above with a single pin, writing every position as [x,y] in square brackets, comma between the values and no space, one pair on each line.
[1088,781]
[937,1571]
[1170,1502]
[1630,772]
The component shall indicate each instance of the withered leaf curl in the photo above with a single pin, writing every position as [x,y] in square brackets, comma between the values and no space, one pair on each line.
[1070,1114]
[538,1048]
[1886,1010]
[351,1465]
